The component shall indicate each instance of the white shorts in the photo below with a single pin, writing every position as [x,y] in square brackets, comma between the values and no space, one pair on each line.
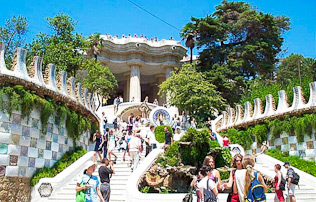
[291,189]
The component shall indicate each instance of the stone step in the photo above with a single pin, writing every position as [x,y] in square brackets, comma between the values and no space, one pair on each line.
[68,192]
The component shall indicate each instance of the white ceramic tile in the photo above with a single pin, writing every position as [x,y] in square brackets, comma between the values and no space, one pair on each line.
[41,143]
[39,163]
[12,171]
[33,152]
[23,161]
[55,146]
[25,141]
[47,154]
[14,149]
[4,159]
[34,132]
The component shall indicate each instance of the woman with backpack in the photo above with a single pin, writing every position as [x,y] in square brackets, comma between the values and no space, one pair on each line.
[237,165]
[247,178]
[279,186]
[214,175]
[207,187]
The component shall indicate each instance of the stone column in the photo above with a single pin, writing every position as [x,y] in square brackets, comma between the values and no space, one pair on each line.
[161,78]
[168,74]
[126,91]
[135,89]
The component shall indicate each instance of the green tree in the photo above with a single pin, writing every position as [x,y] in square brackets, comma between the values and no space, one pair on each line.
[63,48]
[99,79]
[189,90]
[286,77]
[12,34]
[238,43]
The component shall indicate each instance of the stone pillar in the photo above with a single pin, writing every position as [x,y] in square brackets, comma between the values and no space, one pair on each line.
[168,74]
[126,91]
[161,78]
[135,89]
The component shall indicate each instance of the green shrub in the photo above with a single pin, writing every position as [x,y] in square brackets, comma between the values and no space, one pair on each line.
[240,137]
[195,153]
[224,174]
[66,160]
[160,133]
[295,161]
[260,132]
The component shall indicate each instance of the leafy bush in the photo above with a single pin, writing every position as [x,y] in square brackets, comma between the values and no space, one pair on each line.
[160,133]
[66,160]
[295,161]
[195,153]
[240,137]
[224,174]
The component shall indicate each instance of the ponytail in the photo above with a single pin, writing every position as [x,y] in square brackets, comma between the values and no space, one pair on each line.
[248,163]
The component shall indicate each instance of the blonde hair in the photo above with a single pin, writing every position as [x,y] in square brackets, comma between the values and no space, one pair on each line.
[248,163]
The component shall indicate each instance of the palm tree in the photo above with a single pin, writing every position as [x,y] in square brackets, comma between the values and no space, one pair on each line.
[95,43]
[190,43]
[188,35]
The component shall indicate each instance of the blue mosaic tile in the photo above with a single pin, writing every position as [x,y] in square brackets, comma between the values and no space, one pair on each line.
[54,155]
[66,140]
[49,127]
[62,131]
[33,142]
[22,171]
[24,151]
[55,138]
[16,118]
[32,162]
[48,145]
[26,131]
[35,123]
[60,149]
[3,148]
[4,127]
[40,153]
[47,163]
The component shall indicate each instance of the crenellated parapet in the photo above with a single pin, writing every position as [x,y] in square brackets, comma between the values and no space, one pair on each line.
[240,118]
[56,86]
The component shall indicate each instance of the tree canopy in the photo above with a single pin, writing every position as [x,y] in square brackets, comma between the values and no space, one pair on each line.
[190,91]
[99,78]
[64,48]
[237,43]
[12,34]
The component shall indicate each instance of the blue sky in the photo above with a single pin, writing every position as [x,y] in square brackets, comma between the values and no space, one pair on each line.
[121,17]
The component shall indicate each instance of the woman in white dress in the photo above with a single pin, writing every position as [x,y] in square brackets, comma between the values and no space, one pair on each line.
[111,145]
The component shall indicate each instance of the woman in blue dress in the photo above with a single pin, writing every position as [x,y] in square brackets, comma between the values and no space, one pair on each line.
[98,139]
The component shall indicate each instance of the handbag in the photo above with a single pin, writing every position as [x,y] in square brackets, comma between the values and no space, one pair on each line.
[188,197]
[81,195]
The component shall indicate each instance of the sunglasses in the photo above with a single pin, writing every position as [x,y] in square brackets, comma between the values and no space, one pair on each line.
[237,160]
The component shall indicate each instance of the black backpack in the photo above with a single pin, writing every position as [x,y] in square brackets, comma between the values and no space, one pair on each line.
[209,196]
[296,178]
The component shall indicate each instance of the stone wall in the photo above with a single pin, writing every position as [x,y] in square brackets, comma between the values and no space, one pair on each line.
[24,148]
[14,189]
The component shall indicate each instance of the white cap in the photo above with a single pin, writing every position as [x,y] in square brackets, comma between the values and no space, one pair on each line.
[89,164]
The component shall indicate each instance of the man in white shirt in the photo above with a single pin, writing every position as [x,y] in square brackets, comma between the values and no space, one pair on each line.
[177,135]
[150,140]
[134,148]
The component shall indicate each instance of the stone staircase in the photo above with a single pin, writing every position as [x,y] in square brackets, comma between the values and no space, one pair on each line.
[118,182]
[306,191]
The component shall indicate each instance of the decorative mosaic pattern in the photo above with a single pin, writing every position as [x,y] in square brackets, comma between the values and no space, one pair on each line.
[24,148]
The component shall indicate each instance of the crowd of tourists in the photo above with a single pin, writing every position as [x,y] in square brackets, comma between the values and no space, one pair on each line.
[245,184]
